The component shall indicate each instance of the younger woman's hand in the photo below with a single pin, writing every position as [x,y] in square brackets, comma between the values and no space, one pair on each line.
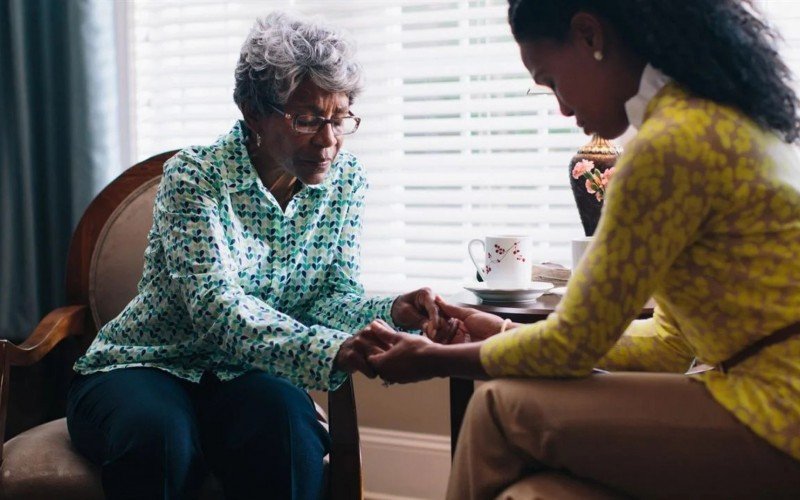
[405,361]
[474,325]
[353,353]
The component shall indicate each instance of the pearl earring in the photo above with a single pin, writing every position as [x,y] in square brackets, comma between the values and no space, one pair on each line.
[598,56]
[258,141]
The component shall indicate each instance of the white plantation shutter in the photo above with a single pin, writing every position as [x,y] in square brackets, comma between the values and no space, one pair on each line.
[453,146]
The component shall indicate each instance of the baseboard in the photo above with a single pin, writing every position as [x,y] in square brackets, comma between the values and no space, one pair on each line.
[404,465]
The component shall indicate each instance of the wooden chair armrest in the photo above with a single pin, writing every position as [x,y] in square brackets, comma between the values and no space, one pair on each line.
[55,327]
[344,470]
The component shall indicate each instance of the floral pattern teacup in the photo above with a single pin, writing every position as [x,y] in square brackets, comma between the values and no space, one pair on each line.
[506,261]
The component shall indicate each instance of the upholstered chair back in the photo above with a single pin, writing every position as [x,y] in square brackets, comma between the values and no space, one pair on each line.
[118,258]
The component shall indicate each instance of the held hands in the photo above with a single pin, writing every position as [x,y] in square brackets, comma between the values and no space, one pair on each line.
[358,352]
[423,310]
[409,357]
[378,349]
[413,310]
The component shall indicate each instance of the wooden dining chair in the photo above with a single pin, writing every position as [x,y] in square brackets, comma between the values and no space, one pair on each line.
[104,266]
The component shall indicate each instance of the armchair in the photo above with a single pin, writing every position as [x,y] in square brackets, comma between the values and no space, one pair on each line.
[104,265]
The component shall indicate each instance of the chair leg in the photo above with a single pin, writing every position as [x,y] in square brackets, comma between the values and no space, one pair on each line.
[5,372]
[344,478]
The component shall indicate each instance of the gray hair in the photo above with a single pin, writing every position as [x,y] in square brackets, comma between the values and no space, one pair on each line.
[281,51]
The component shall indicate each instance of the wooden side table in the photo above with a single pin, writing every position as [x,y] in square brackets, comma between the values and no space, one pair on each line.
[522,312]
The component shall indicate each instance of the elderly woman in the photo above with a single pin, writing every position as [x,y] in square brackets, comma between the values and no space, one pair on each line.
[250,292]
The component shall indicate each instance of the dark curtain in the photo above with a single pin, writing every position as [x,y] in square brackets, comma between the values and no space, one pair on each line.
[58,143]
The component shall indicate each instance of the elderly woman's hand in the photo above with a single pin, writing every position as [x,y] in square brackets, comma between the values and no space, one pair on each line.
[417,310]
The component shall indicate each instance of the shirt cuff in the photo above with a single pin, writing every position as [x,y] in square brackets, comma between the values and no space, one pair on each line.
[384,311]
[329,377]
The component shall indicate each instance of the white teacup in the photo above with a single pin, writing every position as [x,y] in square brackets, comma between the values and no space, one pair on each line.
[506,261]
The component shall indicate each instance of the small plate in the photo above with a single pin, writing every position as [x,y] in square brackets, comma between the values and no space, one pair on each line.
[531,292]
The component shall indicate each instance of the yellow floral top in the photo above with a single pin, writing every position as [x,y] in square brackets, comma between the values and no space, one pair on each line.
[703,214]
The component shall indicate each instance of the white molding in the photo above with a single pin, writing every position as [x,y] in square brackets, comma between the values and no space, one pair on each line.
[401,465]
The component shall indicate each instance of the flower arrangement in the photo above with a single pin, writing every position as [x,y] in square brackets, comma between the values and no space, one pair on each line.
[596,181]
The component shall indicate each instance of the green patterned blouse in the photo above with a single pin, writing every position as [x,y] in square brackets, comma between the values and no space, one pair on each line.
[233,283]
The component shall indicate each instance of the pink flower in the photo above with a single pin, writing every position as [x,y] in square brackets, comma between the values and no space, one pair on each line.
[581,168]
[596,181]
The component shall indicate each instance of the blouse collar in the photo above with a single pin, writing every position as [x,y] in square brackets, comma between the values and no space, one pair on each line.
[651,83]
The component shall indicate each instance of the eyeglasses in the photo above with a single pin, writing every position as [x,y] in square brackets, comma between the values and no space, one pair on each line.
[538,91]
[311,124]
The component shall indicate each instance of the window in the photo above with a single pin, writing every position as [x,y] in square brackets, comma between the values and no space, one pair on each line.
[785,16]
[453,146]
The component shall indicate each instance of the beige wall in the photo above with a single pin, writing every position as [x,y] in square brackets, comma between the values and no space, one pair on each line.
[423,407]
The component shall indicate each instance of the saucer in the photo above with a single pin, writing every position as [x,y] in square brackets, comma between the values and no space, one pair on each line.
[531,292]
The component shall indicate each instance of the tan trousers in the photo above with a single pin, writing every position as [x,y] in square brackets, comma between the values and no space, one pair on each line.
[646,435]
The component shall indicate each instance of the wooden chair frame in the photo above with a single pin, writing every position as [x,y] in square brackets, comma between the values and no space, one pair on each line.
[344,472]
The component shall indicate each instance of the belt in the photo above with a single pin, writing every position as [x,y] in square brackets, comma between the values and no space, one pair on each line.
[774,338]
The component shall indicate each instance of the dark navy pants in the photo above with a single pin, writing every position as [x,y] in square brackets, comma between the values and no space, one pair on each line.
[157,436]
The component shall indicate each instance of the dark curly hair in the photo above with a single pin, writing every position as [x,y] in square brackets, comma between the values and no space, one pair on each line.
[718,49]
